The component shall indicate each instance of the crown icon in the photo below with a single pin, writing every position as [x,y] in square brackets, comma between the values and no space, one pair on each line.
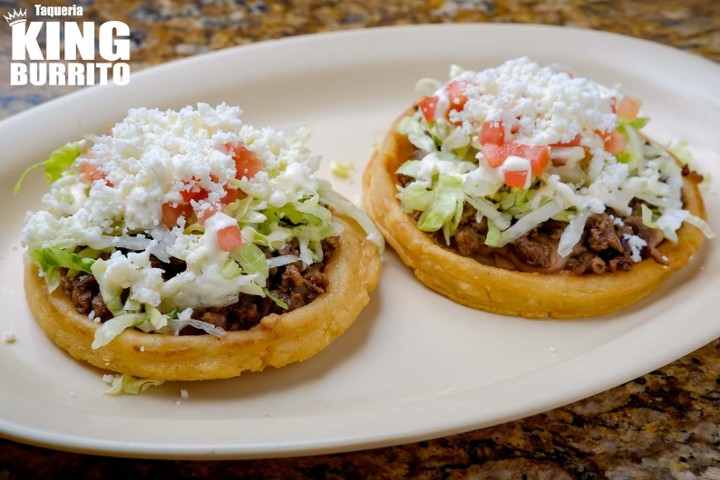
[16,16]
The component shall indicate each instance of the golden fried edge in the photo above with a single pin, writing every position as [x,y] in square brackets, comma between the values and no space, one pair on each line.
[353,272]
[506,292]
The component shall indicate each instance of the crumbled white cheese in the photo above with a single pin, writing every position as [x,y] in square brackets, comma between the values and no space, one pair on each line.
[153,160]
[184,393]
[636,245]
[539,108]
[540,104]
[120,271]
[670,221]
[143,162]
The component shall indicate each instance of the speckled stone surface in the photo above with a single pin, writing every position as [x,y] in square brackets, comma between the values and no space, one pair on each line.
[665,425]
[163,30]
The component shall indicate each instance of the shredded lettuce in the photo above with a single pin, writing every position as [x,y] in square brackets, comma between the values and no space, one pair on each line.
[111,294]
[51,259]
[60,160]
[530,221]
[315,214]
[307,220]
[681,150]
[572,233]
[251,260]
[579,181]
[411,168]
[127,384]
[417,134]
[632,155]
[282,260]
[176,324]
[110,329]
[416,196]
[488,209]
[230,269]
[54,257]
[343,206]
[701,224]
[275,299]
[647,216]
[90,253]
[446,206]
[342,169]
[639,122]
[128,226]
[492,238]
[157,319]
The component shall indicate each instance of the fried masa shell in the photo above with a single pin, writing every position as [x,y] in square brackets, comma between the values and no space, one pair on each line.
[353,271]
[507,292]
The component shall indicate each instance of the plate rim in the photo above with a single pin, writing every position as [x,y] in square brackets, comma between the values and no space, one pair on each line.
[106,447]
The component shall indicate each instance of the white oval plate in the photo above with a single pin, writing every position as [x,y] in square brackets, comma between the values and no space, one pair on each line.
[415,365]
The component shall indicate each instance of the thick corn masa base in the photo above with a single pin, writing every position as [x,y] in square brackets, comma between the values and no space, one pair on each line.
[353,271]
[532,295]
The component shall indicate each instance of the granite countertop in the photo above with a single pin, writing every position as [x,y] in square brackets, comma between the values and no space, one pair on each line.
[663,425]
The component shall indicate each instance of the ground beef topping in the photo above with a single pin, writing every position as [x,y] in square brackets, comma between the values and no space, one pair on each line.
[603,247]
[290,283]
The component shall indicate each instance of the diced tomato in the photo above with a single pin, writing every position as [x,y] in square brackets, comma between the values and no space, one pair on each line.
[89,173]
[493,154]
[614,142]
[492,132]
[193,191]
[427,107]
[538,156]
[197,195]
[456,95]
[247,162]
[204,215]
[229,238]
[231,194]
[515,178]
[628,108]
[171,214]
[575,142]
